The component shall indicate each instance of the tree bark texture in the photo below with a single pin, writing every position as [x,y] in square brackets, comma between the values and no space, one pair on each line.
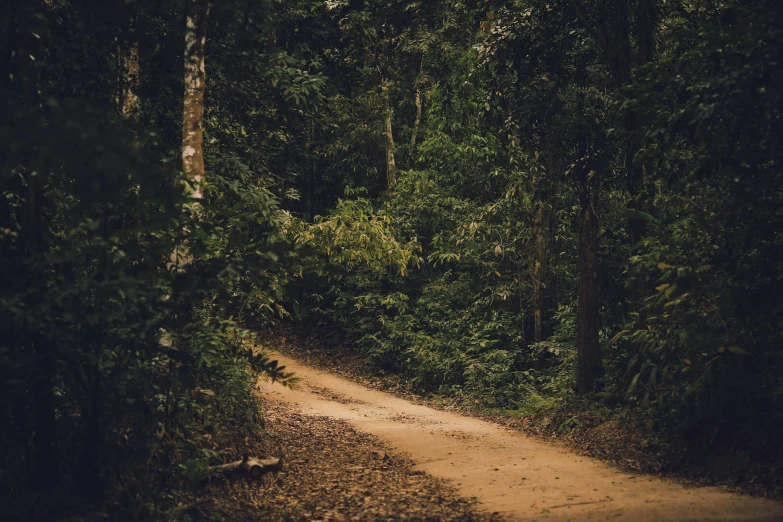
[540,251]
[637,170]
[391,167]
[417,122]
[24,50]
[418,101]
[44,467]
[587,346]
[89,482]
[195,81]
[128,65]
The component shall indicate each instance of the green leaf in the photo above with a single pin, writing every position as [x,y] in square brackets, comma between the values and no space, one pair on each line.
[633,382]
[736,350]
[617,336]
[664,266]
[638,215]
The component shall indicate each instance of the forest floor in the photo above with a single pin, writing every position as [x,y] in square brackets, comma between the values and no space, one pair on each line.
[334,472]
[509,473]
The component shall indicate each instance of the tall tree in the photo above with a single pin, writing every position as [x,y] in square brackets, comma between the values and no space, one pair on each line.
[195,80]
[587,346]
[418,102]
[540,246]
[391,165]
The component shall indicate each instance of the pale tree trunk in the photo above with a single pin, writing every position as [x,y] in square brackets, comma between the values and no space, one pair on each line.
[127,100]
[419,105]
[195,80]
[418,117]
[391,167]
[127,63]
[192,118]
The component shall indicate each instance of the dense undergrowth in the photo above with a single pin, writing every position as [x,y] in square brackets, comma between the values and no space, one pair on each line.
[688,309]
[551,207]
[585,425]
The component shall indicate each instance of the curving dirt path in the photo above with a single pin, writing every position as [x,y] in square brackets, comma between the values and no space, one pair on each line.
[520,477]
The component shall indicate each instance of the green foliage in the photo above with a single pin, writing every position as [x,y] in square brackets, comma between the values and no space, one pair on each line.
[354,235]
[512,121]
[681,140]
[120,366]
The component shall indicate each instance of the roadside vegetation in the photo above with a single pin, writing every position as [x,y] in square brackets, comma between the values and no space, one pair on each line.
[566,209]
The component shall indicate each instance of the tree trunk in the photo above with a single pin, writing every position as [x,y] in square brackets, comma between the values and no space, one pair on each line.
[25,49]
[195,81]
[417,122]
[418,117]
[391,168]
[45,469]
[645,31]
[89,483]
[540,251]
[616,51]
[196,15]
[128,65]
[588,349]
[45,465]
[637,170]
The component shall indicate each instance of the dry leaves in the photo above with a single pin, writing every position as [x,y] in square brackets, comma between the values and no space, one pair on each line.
[333,472]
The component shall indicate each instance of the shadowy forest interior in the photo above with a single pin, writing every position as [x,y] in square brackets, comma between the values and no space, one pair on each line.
[565,210]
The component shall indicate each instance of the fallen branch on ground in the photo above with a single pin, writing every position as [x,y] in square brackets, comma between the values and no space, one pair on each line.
[250,466]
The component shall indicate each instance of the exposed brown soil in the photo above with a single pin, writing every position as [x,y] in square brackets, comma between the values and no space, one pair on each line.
[516,475]
[333,472]
[628,446]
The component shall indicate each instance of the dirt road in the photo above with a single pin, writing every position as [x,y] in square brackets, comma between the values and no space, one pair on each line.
[520,477]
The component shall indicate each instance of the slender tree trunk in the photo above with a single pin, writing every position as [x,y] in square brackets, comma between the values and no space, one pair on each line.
[616,50]
[45,465]
[8,33]
[88,476]
[645,30]
[418,102]
[308,195]
[637,170]
[417,122]
[588,349]
[45,469]
[540,251]
[196,15]
[391,168]
[127,100]
[24,51]
[195,81]
[127,63]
